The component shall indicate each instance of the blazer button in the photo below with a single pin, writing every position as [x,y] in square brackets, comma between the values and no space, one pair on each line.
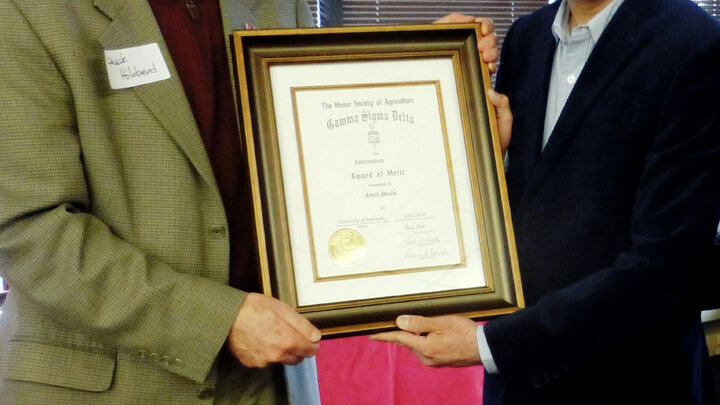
[205,393]
[156,357]
[217,232]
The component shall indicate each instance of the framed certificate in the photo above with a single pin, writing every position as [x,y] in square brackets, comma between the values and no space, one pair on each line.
[376,174]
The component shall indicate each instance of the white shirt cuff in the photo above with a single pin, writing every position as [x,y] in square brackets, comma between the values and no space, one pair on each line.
[485,353]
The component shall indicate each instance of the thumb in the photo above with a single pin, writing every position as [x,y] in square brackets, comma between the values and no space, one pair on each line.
[504,117]
[414,324]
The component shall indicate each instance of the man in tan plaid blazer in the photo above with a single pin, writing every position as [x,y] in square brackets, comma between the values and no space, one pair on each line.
[112,229]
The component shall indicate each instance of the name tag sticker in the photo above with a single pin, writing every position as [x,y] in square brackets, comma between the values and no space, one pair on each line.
[130,67]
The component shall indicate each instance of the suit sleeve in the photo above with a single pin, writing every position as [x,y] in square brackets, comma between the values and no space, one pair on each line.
[670,270]
[66,262]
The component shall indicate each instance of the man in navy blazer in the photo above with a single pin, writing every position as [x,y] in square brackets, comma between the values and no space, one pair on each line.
[615,212]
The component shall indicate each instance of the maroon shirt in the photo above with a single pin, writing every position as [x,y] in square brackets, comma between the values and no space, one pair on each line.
[193,31]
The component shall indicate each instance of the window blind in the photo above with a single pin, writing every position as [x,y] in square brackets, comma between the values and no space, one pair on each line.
[373,12]
[711,6]
[367,12]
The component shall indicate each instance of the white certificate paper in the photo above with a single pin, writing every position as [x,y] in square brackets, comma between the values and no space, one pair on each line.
[378,190]
[391,205]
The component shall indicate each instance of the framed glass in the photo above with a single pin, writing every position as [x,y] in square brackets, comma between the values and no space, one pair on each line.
[377,179]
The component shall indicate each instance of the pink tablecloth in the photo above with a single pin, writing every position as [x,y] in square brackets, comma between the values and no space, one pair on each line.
[357,371]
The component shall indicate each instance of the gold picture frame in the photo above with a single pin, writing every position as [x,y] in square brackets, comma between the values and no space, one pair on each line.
[377,178]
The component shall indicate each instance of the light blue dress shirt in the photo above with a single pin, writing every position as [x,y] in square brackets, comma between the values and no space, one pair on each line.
[302,383]
[572,52]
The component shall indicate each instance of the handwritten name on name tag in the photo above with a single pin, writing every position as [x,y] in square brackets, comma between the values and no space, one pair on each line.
[130,67]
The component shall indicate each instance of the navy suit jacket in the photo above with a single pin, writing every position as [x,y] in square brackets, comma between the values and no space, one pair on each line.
[615,220]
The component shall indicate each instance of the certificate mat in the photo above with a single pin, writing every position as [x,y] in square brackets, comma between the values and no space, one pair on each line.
[352,171]
[391,194]
[377,190]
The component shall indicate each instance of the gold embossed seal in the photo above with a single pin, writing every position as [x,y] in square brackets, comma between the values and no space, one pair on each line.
[347,247]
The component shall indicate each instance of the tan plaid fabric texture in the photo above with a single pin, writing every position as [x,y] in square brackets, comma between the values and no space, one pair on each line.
[107,206]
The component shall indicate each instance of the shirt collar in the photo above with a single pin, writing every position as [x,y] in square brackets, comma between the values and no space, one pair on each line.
[560,26]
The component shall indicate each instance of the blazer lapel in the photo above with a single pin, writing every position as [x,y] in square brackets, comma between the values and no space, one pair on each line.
[537,84]
[613,51]
[133,24]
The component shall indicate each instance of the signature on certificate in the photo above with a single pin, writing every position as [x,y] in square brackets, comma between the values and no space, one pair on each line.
[422,243]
